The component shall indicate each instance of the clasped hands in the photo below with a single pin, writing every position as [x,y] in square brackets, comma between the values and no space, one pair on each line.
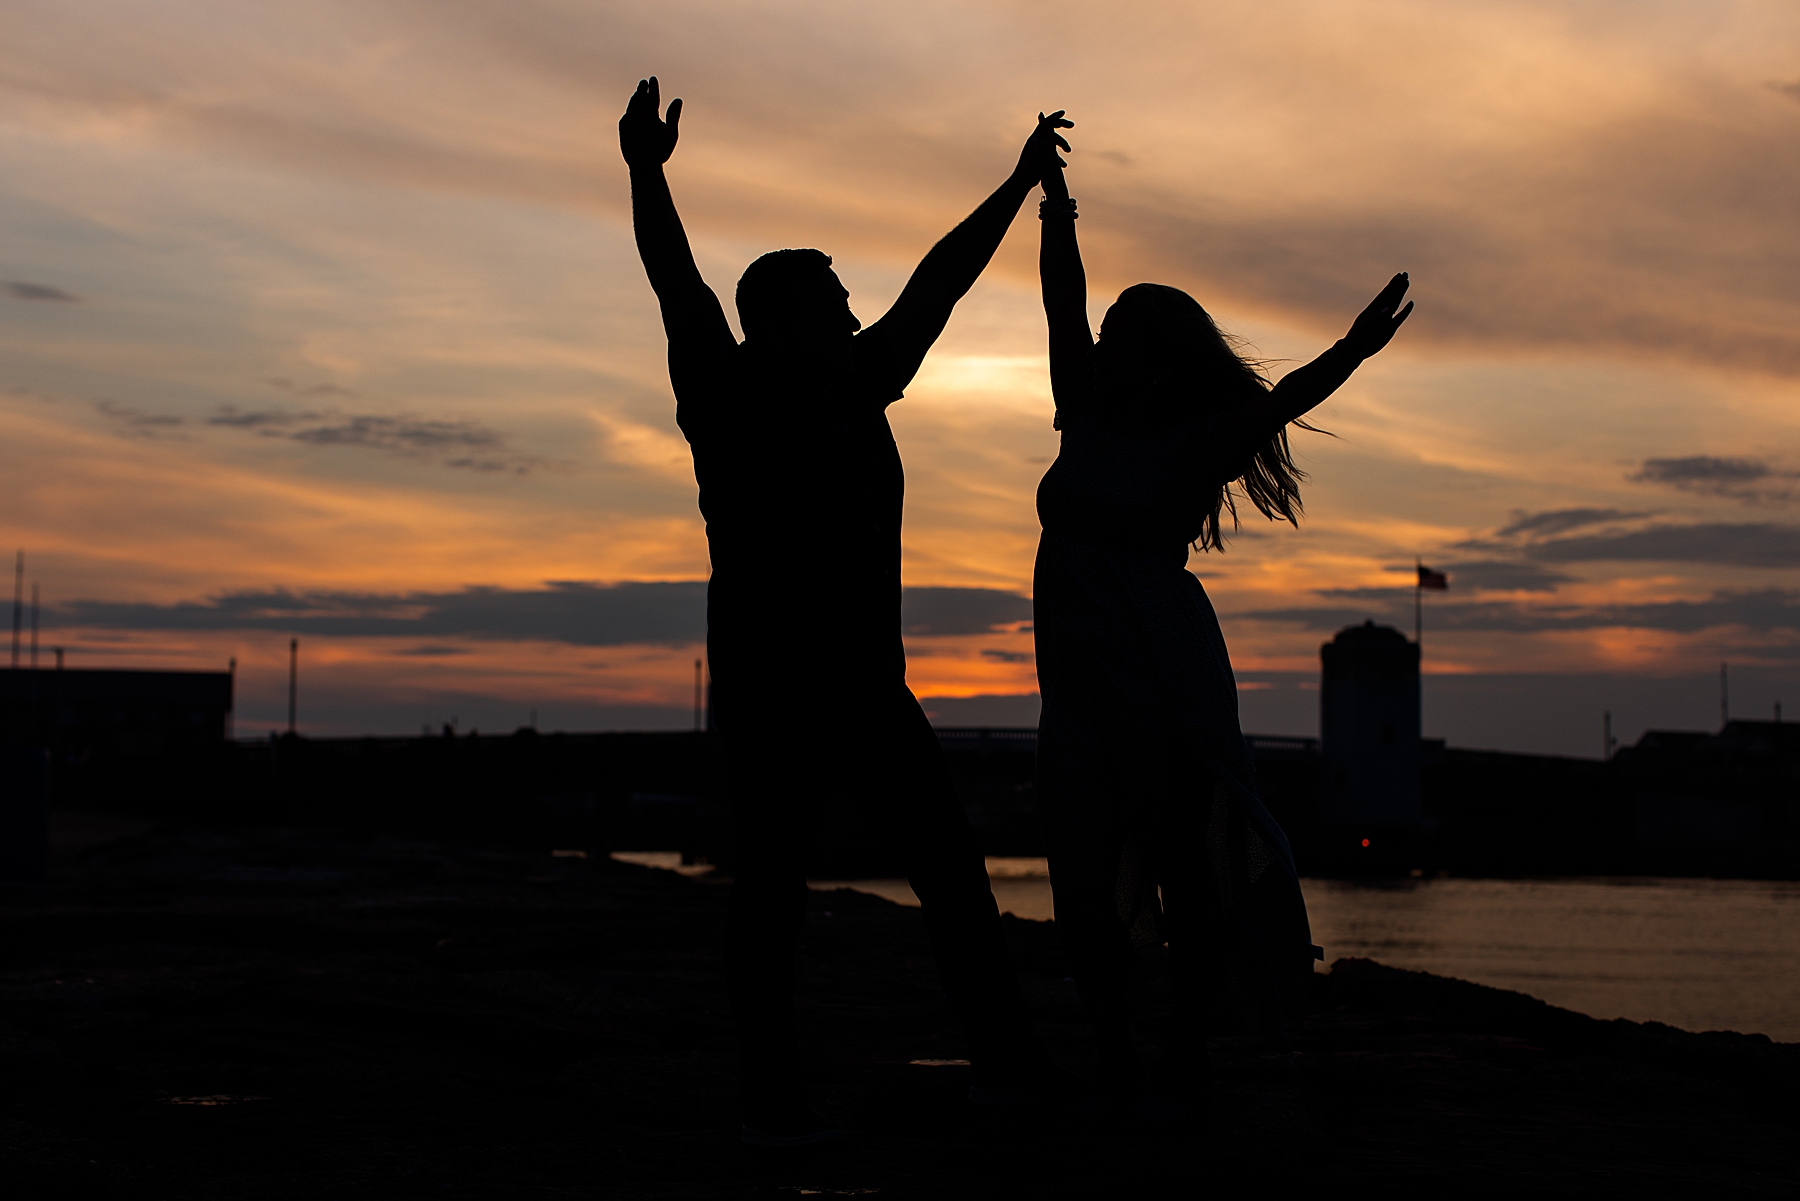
[1039,161]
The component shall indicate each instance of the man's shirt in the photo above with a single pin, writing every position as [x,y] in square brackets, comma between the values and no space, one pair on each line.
[802,489]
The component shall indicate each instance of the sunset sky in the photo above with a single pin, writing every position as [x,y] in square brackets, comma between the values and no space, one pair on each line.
[324,320]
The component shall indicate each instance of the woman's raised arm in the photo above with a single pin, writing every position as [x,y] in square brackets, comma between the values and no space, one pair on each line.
[1305,388]
[947,272]
[1064,282]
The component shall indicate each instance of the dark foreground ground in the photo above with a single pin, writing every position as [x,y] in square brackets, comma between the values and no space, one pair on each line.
[207,1013]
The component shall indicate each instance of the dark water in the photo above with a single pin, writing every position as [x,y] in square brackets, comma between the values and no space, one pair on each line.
[1698,954]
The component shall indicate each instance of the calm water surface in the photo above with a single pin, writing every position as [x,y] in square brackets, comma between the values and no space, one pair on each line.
[1698,954]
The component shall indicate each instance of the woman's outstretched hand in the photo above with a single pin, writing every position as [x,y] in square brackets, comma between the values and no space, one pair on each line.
[1374,327]
[1039,158]
[645,138]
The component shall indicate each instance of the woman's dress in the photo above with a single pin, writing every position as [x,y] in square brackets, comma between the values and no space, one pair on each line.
[1144,778]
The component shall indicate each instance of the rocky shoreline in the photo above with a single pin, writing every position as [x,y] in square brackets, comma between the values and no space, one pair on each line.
[207,1012]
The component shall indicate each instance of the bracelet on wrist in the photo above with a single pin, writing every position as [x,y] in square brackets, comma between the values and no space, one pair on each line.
[1061,207]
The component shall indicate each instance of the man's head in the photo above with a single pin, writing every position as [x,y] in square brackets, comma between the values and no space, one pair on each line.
[793,296]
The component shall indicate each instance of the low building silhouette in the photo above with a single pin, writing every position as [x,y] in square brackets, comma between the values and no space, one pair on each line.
[1370,796]
[84,713]
[1693,792]
[105,732]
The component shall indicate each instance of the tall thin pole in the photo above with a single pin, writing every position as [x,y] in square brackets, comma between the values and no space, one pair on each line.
[1419,601]
[34,625]
[699,699]
[18,603]
[1724,698]
[293,682]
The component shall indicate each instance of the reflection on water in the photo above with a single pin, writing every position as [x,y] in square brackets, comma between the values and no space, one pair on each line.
[1698,954]
[668,861]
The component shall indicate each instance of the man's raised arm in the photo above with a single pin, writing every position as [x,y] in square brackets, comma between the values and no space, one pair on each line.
[946,274]
[690,310]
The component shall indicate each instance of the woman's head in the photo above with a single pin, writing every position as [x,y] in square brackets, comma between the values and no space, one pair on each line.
[1161,361]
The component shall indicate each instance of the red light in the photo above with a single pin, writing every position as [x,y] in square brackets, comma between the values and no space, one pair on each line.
[1365,842]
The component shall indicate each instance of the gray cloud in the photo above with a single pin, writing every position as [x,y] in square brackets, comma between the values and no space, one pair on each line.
[1747,545]
[1378,595]
[1465,258]
[1654,221]
[1767,610]
[669,613]
[583,614]
[1484,575]
[1477,575]
[401,434]
[1598,233]
[1496,575]
[1790,90]
[325,389]
[137,422]
[454,443]
[1752,481]
[1702,469]
[269,419]
[948,611]
[20,290]
[1556,521]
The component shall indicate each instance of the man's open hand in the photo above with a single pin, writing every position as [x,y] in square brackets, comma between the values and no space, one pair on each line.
[645,139]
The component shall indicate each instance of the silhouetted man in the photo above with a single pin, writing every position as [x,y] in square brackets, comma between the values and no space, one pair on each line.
[801,487]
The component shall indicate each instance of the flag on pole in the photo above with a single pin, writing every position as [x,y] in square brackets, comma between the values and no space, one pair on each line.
[1437,581]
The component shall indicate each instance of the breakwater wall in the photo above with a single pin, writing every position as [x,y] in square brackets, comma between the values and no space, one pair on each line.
[1677,809]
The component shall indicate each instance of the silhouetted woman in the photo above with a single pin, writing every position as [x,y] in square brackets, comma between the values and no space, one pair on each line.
[1144,781]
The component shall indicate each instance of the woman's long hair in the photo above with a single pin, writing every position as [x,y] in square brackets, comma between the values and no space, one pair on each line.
[1161,360]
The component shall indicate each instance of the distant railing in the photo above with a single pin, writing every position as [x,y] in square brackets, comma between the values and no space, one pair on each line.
[1019,738]
[1282,744]
[998,738]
